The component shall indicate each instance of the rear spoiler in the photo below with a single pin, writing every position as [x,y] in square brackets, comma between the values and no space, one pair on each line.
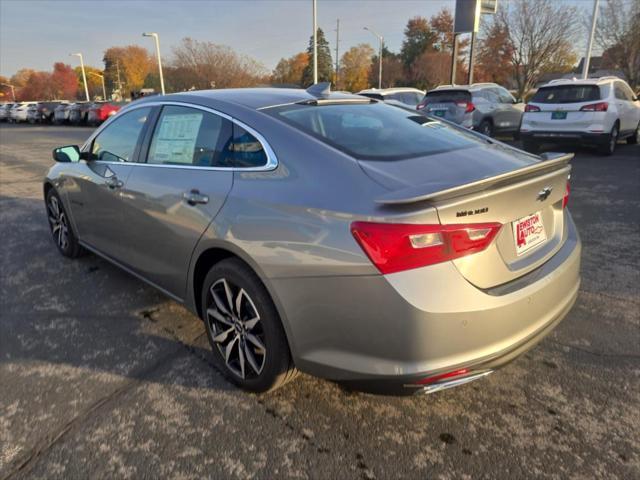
[437,191]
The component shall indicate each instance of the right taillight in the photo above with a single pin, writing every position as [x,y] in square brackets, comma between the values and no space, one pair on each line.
[565,199]
[420,106]
[531,108]
[595,107]
[394,247]
[468,106]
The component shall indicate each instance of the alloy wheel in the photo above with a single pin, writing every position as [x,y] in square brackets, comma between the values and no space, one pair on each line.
[614,139]
[58,222]
[236,329]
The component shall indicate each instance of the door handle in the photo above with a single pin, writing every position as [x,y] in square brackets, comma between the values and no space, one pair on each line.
[113,182]
[194,197]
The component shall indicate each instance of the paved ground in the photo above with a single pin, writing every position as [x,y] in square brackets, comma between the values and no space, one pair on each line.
[101,376]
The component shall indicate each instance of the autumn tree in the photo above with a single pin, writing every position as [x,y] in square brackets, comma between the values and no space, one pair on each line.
[134,63]
[442,25]
[64,81]
[418,38]
[355,65]
[618,34]
[542,33]
[494,55]
[203,65]
[289,70]
[325,63]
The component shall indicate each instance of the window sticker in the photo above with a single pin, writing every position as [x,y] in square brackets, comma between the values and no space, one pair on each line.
[176,138]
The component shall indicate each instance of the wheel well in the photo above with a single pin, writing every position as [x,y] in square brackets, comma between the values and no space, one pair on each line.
[206,260]
[47,187]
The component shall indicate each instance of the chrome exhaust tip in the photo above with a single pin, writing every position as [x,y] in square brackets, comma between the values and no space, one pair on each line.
[445,384]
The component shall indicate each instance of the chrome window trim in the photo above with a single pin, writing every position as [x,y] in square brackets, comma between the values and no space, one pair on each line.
[272,160]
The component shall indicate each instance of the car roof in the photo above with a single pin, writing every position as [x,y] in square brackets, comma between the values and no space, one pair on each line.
[254,98]
[582,81]
[387,91]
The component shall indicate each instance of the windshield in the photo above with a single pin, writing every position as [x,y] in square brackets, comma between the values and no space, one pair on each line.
[374,131]
[567,94]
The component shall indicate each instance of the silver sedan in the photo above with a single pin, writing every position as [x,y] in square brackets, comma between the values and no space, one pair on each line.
[326,233]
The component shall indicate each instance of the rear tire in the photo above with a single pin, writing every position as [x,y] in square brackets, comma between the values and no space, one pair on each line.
[633,139]
[486,128]
[249,346]
[609,146]
[60,226]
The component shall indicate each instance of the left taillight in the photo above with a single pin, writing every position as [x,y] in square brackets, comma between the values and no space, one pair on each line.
[565,199]
[394,247]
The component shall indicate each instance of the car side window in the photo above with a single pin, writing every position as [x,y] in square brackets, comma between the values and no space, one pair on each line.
[619,91]
[244,150]
[503,95]
[118,141]
[188,136]
[491,96]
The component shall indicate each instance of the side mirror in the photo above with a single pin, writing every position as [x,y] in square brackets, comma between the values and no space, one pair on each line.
[68,154]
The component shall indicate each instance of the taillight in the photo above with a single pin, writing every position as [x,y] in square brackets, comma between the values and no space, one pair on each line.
[442,376]
[565,199]
[468,106]
[394,247]
[531,108]
[595,107]
[420,106]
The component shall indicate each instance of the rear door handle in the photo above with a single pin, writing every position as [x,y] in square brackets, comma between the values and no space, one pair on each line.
[113,182]
[194,197]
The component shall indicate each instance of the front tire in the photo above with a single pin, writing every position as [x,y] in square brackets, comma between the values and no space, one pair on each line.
[486,128]
[609,146]
[633,139]
[60,226]
[244,329]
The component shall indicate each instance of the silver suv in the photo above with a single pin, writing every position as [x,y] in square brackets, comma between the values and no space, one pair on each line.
[486,107]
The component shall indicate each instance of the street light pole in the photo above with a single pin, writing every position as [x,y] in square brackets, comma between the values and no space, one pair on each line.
[84,75]
[587,58]
[157,39]
[104,90]
[381,40]
[315,44]
[13,90]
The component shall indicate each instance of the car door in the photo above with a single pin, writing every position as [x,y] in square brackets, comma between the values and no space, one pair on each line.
[506,117]
[94,187]
[175,191]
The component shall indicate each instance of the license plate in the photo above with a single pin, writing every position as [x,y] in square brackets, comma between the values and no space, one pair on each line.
[528,232]
[439,113]
[558,115]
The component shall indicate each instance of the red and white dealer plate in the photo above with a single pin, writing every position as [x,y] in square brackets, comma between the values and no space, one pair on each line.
[528,232]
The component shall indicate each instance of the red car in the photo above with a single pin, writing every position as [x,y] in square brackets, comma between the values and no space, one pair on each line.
[99,112]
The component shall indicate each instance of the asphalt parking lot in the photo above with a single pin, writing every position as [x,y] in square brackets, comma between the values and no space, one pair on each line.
[101,376]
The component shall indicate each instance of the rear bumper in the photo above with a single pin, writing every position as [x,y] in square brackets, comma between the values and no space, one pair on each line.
[564,137]
[382,333]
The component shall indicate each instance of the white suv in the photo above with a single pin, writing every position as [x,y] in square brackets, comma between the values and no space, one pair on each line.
[598,111]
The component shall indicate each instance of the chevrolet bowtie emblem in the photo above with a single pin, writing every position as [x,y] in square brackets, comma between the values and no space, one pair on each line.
[544,193]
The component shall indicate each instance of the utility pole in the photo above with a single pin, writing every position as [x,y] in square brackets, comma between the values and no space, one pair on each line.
[119,82]
[337,51]
[587,58]
[315,44]
[471,57]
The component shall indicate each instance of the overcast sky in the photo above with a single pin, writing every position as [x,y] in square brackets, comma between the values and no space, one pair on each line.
[36,33]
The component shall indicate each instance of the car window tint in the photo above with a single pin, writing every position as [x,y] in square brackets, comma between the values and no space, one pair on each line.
[447,96]
[187,136]
[567,94]
[374,131]
[244,150]
[117,142]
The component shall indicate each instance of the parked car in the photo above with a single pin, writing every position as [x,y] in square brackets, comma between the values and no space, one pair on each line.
[485,107]
[46,110]
[99,112]
[61,113]
[597,111]
[18,112]
[408,96]
[414,257]
[32,113]
[79,112]
[4,111]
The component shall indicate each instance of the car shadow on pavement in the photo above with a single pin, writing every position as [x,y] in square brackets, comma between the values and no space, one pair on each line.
[85,315]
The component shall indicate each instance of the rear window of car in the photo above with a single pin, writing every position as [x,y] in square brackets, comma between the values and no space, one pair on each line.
[567,94]
[374,131]
[443,96]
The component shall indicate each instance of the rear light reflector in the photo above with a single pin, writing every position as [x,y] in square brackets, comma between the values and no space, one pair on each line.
[443,376]
[394,247]
[468,106]
[595,107]
[531,108]
[565,199]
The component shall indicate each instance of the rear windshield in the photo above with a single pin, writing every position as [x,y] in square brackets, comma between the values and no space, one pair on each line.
[440,96]
[375,131]
[376,96]
[567,94]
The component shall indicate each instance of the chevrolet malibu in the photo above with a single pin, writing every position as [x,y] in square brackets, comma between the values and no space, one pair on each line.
[326,233]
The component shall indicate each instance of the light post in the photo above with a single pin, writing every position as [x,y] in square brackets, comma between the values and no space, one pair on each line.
[13,90]
[84,76]
[157,40]
[104,90]
[381,39]
[587,58]
[315,44]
